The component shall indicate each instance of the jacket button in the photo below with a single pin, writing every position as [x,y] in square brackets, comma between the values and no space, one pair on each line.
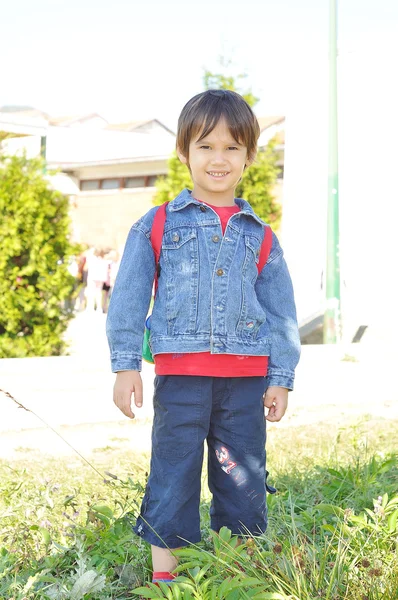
[202,208]
[216,238]
[220,272]
[176,237]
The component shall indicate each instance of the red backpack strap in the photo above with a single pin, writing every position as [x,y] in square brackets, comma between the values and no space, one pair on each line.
[157,236]
[265,248]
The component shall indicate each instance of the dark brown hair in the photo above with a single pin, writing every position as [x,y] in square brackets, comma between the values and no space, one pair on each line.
[203,112]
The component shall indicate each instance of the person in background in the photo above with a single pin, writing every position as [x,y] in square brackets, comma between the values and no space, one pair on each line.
[106,285]
[82,279]
[97,275]
[73,269]
[114,263]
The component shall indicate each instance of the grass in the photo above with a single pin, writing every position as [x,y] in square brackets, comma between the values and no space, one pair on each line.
[65,532]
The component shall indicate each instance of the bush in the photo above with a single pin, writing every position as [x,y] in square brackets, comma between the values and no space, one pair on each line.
[35,252]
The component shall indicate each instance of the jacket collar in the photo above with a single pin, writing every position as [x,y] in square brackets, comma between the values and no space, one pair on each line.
[185,198]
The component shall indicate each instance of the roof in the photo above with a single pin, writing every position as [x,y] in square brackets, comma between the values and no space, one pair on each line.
[71,166]
[136,125]
[24,111]
[68,120]
[70,144]
[129,126]
[73,120]
[23,122]
[266,122]
[84,145]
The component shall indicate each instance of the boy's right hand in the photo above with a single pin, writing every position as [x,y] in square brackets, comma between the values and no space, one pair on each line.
[127,383]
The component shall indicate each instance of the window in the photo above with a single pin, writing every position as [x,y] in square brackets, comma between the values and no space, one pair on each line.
[92,184]
[116,183]
[133,182]
[110,184]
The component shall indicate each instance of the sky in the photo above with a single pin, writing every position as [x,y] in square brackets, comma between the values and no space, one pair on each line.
[131,60]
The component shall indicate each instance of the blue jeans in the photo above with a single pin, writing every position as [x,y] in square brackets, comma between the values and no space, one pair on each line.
[228,412]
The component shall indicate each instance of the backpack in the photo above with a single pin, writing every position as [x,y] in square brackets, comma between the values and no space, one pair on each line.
[156,241]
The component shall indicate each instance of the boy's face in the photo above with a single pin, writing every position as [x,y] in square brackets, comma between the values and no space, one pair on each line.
[216,163]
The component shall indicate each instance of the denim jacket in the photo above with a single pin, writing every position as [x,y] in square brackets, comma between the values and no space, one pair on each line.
[210,296]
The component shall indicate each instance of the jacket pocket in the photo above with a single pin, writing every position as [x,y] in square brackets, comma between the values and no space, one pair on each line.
[252,256]
[177,238]
[251,314]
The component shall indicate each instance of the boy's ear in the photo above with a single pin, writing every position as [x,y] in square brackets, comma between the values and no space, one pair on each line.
[249,161]
[182,158]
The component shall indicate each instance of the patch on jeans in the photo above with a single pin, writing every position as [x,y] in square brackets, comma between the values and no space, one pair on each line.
[230,467]
[223,458]
[238,474]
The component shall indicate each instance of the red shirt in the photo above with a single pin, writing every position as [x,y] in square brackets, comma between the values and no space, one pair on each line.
[205,363]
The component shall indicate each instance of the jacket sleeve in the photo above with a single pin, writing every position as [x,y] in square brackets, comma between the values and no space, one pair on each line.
[130,301]
[274,291]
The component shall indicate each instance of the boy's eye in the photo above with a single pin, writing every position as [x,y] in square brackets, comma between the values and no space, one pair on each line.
[229,147]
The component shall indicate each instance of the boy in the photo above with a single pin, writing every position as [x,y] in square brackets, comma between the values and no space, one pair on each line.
[224,336]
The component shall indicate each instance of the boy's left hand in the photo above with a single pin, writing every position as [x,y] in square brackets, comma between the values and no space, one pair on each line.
[275,399]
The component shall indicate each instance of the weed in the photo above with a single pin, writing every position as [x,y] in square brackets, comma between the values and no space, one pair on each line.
[65,529]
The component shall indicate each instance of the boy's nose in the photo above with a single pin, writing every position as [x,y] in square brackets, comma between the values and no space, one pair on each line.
[218,159]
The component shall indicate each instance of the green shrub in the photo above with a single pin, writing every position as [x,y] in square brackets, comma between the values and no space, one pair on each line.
[35,251]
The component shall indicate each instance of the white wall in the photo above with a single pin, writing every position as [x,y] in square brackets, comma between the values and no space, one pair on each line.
[368,134]
[305,188]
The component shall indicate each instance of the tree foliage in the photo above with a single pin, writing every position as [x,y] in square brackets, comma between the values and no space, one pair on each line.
[34,257]
[258,180]
[221,81]
[258,183]
[177,179]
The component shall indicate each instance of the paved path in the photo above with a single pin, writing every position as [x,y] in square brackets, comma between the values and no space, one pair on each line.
[73,393]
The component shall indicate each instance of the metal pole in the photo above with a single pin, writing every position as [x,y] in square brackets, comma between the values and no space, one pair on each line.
[43,151]
[332,318]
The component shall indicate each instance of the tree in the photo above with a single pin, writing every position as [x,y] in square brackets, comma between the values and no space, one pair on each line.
[257,181]
[178,178]
[221,81]
[34,258]
[257,186]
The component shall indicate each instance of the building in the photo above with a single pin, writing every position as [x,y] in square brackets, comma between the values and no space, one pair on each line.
[108,170]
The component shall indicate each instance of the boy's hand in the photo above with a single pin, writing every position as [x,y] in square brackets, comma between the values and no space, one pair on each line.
[275,399]
[127,382]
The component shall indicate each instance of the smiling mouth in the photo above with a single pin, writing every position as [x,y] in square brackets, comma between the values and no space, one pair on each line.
[218,173]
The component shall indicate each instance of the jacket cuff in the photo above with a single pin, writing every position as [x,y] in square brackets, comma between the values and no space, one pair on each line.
[280,378]
[126,362]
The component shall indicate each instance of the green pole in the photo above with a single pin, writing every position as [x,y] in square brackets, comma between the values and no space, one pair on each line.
[43,151]
[332,317]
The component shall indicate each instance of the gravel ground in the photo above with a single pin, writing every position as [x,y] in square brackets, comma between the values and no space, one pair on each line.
[73,394]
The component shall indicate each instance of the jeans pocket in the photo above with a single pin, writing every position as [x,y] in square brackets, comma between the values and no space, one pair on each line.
[255,441]
[177,416]
[248,419]
[159,383]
